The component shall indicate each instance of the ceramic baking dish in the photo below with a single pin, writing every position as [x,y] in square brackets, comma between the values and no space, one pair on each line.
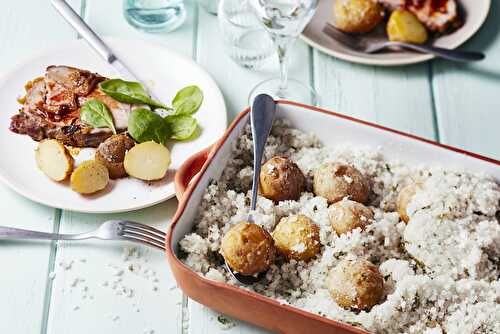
[196,173]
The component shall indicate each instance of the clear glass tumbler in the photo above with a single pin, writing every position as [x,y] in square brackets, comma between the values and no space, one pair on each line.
[154,15]
[246,41]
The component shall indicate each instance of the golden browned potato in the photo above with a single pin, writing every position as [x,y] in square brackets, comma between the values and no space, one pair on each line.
[111,154]
[346,215]
[54,159]
[357,16]
[147,161]
[403,26]
[89,177]
[297,237]
[404,197]
[281,179]
[335,181]
[248,249]
[356,284]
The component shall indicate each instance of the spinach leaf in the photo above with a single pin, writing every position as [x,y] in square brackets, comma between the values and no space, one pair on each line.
[145,125]
[181,126]
[129,92]
[187,101]
[96,114]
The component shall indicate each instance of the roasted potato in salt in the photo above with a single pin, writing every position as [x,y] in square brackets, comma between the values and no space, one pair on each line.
[356,284]
[111,154]
[404,198]
[297,237]
[334,181]
[248,249]
[357,16]
[147,161]
[281,179]
[347,215]
[54,159]
[89,177]
[403,26]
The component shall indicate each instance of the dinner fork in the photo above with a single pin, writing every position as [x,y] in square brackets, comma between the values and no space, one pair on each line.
[369,46]
[109,230]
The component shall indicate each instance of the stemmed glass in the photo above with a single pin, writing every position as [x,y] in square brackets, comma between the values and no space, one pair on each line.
[284,20]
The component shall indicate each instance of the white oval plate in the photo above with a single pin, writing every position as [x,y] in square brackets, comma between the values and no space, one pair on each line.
[475,13]
[164,70]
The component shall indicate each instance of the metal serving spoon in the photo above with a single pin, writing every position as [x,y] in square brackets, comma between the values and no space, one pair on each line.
[367,46]
[261,121]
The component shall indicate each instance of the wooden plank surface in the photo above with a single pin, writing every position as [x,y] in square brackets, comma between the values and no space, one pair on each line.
[23,32]
[467,96]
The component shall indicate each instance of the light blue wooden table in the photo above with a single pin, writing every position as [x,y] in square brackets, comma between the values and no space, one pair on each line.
[452,103]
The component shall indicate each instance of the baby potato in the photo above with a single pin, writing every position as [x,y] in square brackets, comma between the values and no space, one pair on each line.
[297,237]
[404,26]
[54,159]
[147,161]
[248,249]
[111,154]
[281,179]
[355,284]
[404,198]
[357,16]
[89,177]
[347,215]
[335,181]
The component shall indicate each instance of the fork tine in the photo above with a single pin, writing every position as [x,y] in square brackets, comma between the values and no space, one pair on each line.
[143,232]
[346,39]
[131,236]
[144,226]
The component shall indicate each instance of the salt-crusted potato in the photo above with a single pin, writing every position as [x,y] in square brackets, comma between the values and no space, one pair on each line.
[297,237]
[356,284]
[111,154]
[248,249]
[357,16]
[404,198]
[335,181]
[147,161]
[347,215]
[89,177]
[404,26]
[281,179]
[54,159]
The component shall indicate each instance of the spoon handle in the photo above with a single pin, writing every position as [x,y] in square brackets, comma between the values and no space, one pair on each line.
[454,55]
[261,120]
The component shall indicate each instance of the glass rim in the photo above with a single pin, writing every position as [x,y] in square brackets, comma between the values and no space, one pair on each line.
[223,14]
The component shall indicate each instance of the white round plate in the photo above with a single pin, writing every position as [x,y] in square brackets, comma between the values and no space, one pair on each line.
[164,70]
[475,13]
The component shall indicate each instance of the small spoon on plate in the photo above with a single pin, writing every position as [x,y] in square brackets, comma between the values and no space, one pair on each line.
[261,121]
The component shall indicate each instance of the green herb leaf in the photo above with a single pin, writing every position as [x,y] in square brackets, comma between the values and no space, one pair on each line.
[96,114]
[129,92]
[145,125]
[181,126]
[187,101]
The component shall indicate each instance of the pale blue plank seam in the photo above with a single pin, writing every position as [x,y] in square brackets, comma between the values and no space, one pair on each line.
[51,266]
[435,121]
[312,78]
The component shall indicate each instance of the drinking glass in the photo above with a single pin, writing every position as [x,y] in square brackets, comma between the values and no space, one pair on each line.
[284,20]
[154,15]
[246,42]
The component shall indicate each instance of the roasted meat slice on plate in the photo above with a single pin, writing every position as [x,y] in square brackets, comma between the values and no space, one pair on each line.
[437,15]
[51,108]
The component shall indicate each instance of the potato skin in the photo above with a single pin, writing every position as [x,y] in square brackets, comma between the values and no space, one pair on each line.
[248,249]
[89,177]
[297,237]
[357,16]
[281,179]
[355,284]
[404,26]
[111,154]
[347,215]
[404,198]
[335,181]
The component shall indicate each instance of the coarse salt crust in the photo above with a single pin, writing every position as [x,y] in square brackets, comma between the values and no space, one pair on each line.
[441,270]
